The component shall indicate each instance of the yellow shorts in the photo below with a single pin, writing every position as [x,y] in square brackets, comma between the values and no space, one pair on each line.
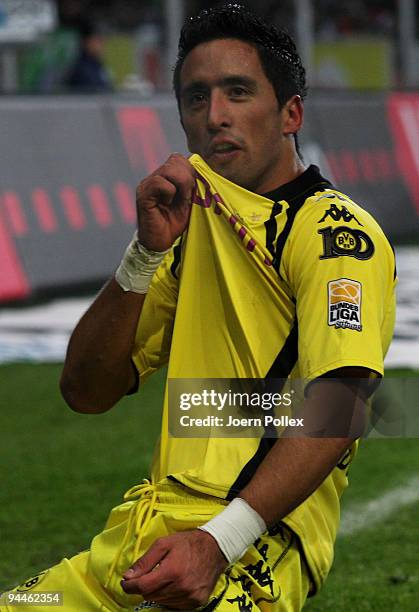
[271,576]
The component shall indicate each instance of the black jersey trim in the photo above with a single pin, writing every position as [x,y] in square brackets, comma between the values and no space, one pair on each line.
[394,256]
[291,214]
[280,368]
[287,357]
[250,468]
[295,193]
[177,251]
[303,184]
[271,228]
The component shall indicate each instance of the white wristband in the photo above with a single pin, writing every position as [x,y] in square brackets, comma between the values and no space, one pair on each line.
[138,266]
[235,529]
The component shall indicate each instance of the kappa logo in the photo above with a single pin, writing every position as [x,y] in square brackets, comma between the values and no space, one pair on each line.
[344,304]
[263,578]
[244,604]
[339,214]
[245,582]
[346,241]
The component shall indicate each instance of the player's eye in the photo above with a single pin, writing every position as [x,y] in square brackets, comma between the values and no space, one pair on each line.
[195,99]
[238,92]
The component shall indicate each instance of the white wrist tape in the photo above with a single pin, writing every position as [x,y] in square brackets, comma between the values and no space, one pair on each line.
[235,529]
[138,266]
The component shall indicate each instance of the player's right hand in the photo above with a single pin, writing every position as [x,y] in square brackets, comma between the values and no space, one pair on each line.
[164,203]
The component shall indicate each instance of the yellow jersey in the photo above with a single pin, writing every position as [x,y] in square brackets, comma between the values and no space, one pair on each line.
[294,283]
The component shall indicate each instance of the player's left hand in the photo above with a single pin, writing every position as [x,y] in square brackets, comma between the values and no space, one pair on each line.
[178,571]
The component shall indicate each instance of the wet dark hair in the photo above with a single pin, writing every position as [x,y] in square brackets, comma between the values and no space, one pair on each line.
[276,49]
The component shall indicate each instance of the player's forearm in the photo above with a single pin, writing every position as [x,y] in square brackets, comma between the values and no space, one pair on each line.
[98,370]
[296,466]
[291,471]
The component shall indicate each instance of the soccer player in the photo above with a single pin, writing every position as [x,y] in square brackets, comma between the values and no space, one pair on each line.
[246,265]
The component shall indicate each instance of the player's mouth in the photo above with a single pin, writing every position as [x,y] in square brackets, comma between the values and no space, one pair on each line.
[224,150]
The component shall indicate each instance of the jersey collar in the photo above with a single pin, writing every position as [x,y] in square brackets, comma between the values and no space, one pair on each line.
[306,184]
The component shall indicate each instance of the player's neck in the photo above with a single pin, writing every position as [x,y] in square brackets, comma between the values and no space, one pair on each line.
[283,178]
[289,168]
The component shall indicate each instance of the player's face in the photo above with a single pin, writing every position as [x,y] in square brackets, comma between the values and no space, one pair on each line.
[231,115]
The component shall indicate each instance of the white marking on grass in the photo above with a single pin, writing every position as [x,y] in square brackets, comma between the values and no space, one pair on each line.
[365,515]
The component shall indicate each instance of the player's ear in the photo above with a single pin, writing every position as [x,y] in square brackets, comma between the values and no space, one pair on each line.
[293,113]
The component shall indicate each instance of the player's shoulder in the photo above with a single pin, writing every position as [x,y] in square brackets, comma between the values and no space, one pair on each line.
[334,206]
[336,212]
[330,225]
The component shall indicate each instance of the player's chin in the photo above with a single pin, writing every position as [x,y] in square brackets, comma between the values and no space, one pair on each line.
[232,172]
[228,164]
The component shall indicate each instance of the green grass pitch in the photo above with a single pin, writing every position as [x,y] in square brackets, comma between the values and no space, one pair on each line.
[62,472]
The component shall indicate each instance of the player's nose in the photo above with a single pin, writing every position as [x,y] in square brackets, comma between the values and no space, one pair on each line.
[219,115]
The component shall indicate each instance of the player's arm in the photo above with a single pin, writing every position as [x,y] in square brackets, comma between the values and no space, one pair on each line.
[98,369]
[335,412]
[297,465]
[180,571]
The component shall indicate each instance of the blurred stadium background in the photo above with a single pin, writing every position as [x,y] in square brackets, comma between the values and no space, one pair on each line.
[77,134]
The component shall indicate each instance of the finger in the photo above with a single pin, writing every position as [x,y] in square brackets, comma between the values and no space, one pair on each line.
[166,596]
[143,586]
[174,159]
[181,173]
[178,161]
[154,583]
[162,580]
[147,562]
[136,587]
[183,188]
[156,190]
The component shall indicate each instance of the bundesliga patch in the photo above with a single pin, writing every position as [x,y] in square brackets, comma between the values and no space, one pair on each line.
[344,304]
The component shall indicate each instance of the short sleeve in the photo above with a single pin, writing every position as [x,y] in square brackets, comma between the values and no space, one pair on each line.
[155,326]
[341,271]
